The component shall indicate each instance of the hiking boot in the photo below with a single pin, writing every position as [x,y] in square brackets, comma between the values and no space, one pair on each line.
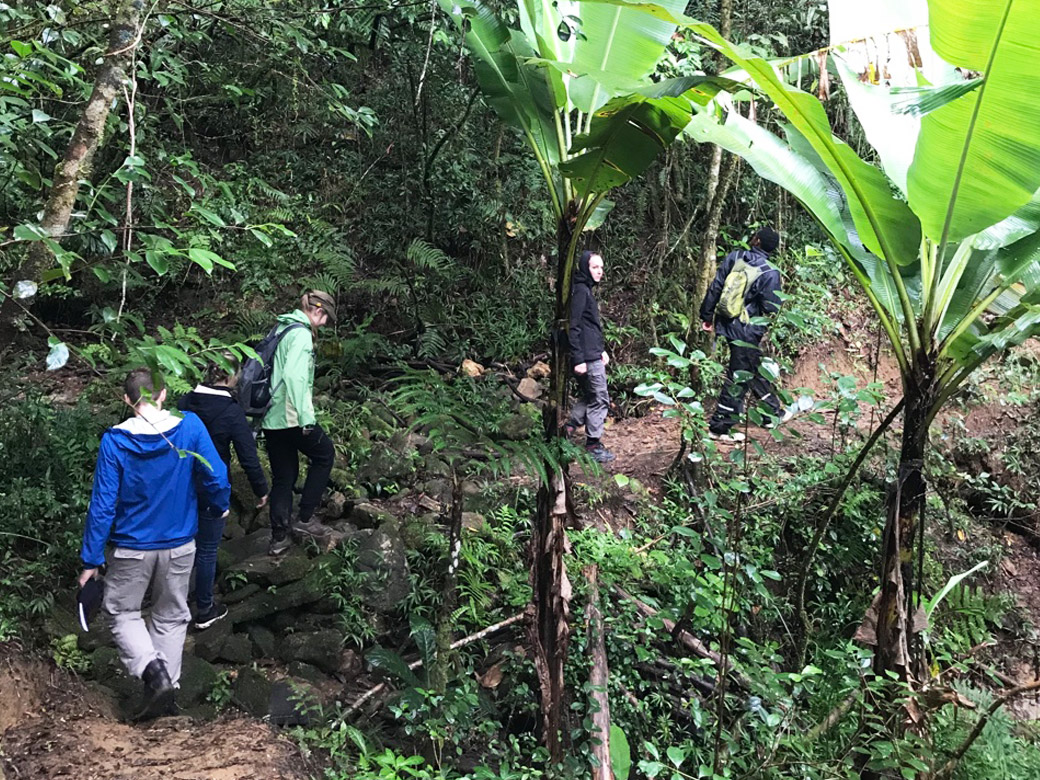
[731,437]
[207,617]
[313,529]
[158,691]
[568,431]
[775,421]
[279,546]
[599,453]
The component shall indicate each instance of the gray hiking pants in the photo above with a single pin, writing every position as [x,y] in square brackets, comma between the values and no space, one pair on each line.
[129,575]
[591,409]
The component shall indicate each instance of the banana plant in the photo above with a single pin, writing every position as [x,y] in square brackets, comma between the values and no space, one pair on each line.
[573,79]
[942,238]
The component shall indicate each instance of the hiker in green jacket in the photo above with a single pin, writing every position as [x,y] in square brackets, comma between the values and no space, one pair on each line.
[290,427]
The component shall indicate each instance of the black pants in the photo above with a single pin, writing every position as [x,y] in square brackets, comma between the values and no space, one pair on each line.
[284,448]
[731,399]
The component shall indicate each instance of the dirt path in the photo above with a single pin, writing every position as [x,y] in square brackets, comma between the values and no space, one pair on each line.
[54,726]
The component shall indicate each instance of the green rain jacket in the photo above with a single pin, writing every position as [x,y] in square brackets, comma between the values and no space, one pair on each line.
[292,380]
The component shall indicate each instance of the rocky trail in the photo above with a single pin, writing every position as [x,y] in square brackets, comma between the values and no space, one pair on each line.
[281,650]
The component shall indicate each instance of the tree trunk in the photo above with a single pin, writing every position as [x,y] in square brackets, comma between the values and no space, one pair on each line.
[551,590]
[721,172]
[599,678]
[449,590]
[905,506]
[86,138]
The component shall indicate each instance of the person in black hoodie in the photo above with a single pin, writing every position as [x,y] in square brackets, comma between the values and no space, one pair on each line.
[215,404]
[589,357]
[743,334]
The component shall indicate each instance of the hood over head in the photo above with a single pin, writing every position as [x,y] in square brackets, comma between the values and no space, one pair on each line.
[581,272]
[147,434]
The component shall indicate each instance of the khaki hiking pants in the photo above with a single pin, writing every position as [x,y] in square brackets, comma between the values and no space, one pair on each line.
[130,573]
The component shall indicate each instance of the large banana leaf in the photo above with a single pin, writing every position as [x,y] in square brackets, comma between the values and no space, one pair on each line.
[978,158]
[625,136]
[604,50]
[999,279]
[519,93]
[621,40]
[892,134]
[885,224]
[1022,223]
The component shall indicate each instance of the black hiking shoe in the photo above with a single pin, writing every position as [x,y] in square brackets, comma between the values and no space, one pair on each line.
[599,453]
[313,529]
[207,617]
[568,431]
[279,546]
[158,692]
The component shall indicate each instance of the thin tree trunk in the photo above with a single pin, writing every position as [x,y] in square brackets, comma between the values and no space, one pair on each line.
[720,179]
[86,138]
[599,677]
[551,590]
[898,556]
[449,590]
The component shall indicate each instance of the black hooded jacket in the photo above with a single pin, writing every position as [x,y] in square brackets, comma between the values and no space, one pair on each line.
[586,331]
[760,300]
[227,425]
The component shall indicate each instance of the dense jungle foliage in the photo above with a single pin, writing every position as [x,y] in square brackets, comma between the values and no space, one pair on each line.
[252,150]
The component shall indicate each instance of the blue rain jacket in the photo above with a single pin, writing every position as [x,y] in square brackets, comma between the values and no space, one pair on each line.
[144,494]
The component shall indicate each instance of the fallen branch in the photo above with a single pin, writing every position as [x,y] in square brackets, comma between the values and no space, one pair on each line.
[833,718]
[687,639]
[947,769]
[376,690]
[599,676]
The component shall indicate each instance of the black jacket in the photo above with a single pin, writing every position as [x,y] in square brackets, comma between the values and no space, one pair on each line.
[760,301]
[586,330]
[227,425]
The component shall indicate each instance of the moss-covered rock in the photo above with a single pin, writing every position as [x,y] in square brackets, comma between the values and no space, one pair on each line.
[197,680]
[320,648]
[251,691]
[263,641]
[237,649]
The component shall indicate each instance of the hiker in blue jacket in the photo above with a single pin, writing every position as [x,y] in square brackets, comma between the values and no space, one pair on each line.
[218,408]
[145,503]
[759,283]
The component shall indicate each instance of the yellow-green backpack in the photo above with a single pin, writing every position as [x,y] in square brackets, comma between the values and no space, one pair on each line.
[735,288]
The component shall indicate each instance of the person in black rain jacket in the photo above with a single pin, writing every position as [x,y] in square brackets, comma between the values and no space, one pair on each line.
[215,404]
[760,300]
[588,357]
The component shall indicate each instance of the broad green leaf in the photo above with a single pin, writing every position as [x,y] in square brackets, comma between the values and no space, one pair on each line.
[620,752]
[207,259]
[621,41]
[599,215]
[626,136]
[952,583]
[1022,223]
[30,232]
[892,135]
[158,260]
[58,355]
[520,93]
[425,638]
[389,661]
[978,158]
[886,226]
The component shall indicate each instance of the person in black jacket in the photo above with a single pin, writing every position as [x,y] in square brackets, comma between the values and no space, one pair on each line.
[760,300]
[589,357]
[215,404]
